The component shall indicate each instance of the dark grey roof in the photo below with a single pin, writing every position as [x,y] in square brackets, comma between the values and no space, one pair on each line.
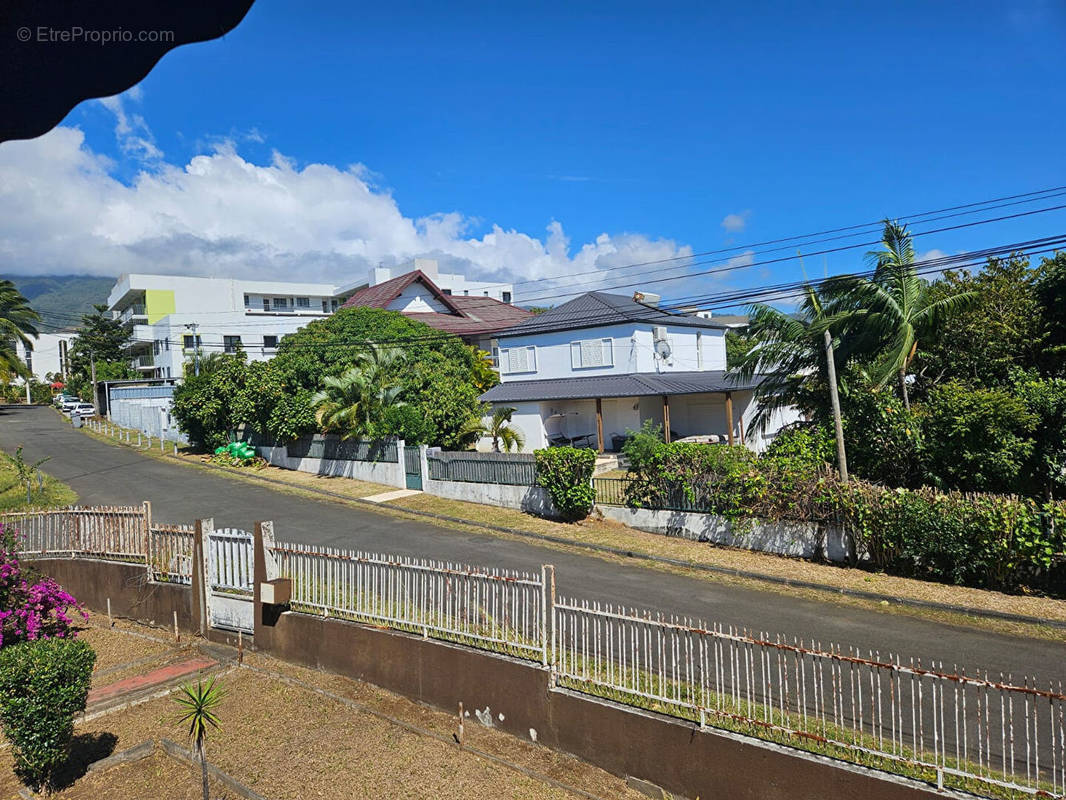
[594,309]
[635,384]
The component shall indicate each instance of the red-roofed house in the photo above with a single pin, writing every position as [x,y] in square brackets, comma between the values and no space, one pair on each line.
[475,319]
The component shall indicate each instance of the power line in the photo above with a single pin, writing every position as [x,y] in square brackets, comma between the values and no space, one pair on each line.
[842,248]
[1033,197]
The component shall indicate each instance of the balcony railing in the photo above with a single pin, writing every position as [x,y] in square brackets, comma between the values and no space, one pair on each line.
[131,312]
[143,361]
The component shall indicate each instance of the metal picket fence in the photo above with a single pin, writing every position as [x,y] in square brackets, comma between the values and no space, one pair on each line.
[117,532]
[498,610]
[942,725]
[170,553]
[513,469]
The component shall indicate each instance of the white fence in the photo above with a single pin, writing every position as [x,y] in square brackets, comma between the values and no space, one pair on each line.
[119,532]
[949,728]
[952,727]
[494,609]
[170,553]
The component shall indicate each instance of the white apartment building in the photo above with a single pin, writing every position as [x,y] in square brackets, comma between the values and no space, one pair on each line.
[451,283]
[48,355]
[173,315]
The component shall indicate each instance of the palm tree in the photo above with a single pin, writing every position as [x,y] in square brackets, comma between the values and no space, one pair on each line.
[352,402]
[499,429]
[889,313]
[199,706]
[16,325]
[788,350]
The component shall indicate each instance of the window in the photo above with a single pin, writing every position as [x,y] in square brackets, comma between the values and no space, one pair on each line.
[247,300]
[188,343]
[589,353]
[270,342]
[266,303]
[516,360]
[333,304]
[303,302]
[507,297]
[325,306]
[446,291]
[231,344]
[281,303]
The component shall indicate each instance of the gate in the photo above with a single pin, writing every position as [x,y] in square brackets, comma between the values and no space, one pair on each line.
[230,580]
[412,467]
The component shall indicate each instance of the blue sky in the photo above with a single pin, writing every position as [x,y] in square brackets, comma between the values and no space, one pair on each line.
[649,123]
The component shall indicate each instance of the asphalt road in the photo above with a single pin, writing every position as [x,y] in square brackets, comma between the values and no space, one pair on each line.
[103,473]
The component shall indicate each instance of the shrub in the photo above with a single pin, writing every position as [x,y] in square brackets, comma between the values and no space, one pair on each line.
[985,540]
[31,607]
[566,472]
[43,684]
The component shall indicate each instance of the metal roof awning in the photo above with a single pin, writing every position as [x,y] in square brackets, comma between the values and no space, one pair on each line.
[637,384]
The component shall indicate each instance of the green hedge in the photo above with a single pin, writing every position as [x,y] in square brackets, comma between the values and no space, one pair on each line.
[566,472]
[43,684]
[984,540]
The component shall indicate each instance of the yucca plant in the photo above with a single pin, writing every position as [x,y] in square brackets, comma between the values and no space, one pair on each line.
[199,706]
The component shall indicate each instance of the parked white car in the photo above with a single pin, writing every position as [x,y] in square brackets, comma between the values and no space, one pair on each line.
[69,403]
[83,410]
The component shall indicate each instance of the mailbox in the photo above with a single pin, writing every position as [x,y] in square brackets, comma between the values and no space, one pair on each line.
[277,592]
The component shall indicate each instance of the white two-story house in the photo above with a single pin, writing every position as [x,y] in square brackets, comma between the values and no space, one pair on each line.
[599,366]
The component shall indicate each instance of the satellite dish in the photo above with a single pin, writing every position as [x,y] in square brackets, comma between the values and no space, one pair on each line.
[662,348]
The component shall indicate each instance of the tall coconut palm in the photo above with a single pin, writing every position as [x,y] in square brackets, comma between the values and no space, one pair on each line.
[888,314]
[498,428]
[16,325]
[788,350]
[199,707]
[351,403]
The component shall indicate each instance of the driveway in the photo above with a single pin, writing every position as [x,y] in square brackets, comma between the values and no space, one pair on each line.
[103,473]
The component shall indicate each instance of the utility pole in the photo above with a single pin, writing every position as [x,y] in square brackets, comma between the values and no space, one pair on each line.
[193,326]
[92,366]
[834,397]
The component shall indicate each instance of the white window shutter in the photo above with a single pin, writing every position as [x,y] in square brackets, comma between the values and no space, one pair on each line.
[575,355]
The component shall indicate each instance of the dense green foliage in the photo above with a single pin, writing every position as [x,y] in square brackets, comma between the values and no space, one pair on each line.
[427,398]
[43,684]
[566,472]
[958,383]
[101,339]
[987,540]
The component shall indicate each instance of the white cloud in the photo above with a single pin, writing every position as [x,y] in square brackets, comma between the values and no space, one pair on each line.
[735,223]
[63,210]
[929,255]
[132,133]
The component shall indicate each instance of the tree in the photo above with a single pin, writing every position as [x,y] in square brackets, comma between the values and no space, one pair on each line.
[499,429]
[438,377]
[789,350]
[16,325]
[208,406]
[976,439]
[887,315]
[102,339]
[1000,331]
[354,404]
[199,707]
[1045,399]
[1051,292]
[737,345]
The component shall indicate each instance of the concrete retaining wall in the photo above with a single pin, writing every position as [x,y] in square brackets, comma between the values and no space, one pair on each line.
[800,539]
[388,473]
[531,499]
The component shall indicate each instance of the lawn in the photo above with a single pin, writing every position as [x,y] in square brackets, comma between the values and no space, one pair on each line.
[49,493]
